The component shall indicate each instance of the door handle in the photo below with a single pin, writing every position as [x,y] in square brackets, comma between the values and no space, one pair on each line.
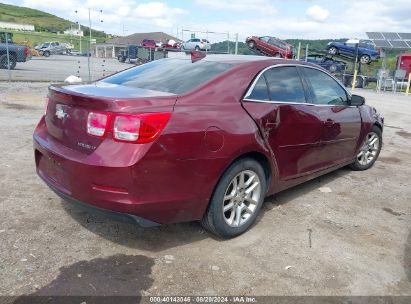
[329,123]
[271,125]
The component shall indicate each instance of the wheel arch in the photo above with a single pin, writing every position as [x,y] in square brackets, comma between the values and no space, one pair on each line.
[258,156]
[378,125]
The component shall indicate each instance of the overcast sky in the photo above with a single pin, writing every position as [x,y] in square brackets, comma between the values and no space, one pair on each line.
[309,19]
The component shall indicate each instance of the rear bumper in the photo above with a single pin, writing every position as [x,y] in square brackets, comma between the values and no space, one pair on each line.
[147,184]
[117,216]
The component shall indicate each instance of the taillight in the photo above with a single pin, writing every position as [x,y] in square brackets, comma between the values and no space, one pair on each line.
[26,52]
[133,128]
[97,124]
[139,128]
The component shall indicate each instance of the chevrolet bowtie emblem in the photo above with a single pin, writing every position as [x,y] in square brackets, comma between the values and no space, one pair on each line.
[60,112]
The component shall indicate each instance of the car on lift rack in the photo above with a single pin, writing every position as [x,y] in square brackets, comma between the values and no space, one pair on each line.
[270,46]
[330,64]
[367,52]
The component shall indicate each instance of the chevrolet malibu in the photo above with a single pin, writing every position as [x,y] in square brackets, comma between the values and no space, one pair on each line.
[179,140]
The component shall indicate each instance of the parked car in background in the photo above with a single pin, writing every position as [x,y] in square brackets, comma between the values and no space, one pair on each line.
[148,43]
[334,66]
[175,140]
[52,48]
[367,52]
[171,44]
[16,53]
[270,46]
[196,44]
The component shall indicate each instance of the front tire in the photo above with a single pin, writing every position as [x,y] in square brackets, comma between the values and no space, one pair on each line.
[251,44]
[46,54]
[369,151]
[333,50]
[237,199]
[332,68]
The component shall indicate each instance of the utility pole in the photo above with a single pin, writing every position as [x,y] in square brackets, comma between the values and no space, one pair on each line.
[89,46]
[8,55]
[236,44]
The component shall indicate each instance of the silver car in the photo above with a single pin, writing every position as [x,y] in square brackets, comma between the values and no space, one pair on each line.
[196,44]
[48,48]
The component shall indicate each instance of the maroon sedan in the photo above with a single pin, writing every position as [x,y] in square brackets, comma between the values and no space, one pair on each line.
[270,46]
[148,43]
[175,140]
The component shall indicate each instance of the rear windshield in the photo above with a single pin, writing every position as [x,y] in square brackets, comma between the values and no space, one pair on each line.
[176,76]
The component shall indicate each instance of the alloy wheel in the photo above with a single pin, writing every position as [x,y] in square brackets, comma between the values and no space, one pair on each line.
[369,149]
[332,51]
[365,59]
[241,198]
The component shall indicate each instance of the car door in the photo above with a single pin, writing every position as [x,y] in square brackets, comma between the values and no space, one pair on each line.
[263,44]
[290,127]
[345,48]
[341,122]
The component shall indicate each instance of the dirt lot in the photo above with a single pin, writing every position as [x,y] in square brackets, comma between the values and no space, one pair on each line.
[360,231]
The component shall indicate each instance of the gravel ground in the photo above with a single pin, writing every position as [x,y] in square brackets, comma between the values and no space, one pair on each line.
[359,224]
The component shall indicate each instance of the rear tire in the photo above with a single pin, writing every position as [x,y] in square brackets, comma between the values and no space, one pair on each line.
[237,199]
[278,55]
[369,151]
[6,64]
[197,48]
[365,59]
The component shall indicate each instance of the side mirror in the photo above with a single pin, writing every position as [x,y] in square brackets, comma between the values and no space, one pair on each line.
[357,100]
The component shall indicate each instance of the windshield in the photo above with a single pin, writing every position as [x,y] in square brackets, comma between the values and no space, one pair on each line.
[176,76]
[44,45]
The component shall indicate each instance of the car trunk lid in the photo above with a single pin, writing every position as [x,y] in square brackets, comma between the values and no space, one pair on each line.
[69,106]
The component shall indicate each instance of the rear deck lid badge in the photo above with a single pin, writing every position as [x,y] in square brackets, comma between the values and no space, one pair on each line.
[61,112]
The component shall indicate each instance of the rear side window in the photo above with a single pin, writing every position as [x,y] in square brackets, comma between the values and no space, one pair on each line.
[176,76]
[260,90]
[284,84]
[325,89]
[277,43]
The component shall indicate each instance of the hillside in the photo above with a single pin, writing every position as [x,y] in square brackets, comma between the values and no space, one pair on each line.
[43,22]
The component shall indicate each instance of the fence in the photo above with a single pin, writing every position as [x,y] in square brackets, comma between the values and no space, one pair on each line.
[31,56]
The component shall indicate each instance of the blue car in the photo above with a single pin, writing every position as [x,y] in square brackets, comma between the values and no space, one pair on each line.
[366,49]
[334,66]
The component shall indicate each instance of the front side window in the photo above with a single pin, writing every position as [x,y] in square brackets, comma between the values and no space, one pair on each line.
[265,38]
[284,84]
[326,91]
[277,43]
